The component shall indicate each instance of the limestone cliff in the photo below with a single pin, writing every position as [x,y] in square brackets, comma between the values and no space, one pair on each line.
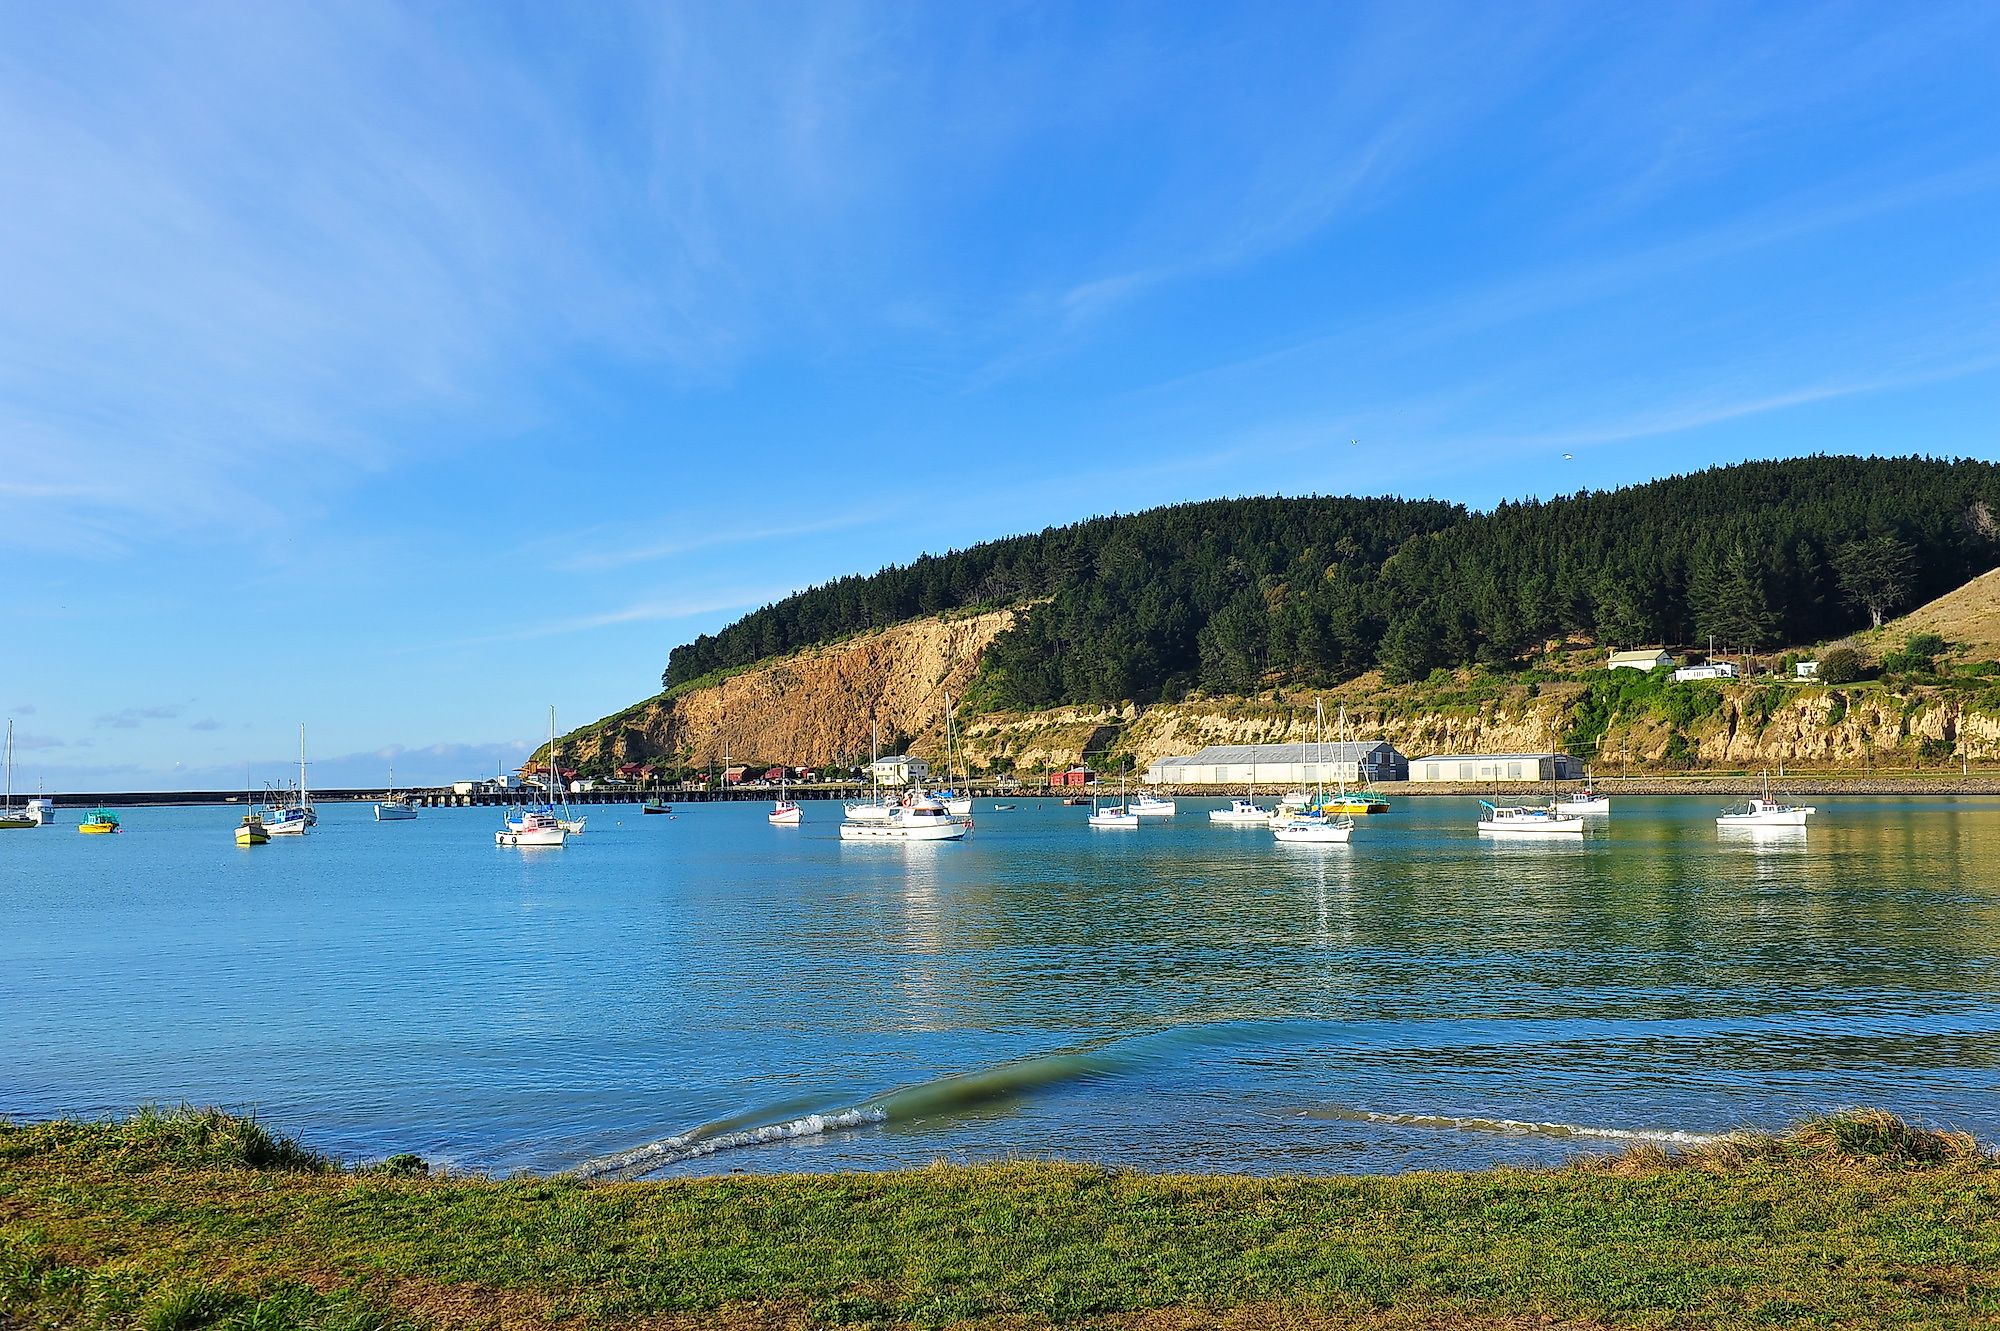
[1750,726]
[814,708]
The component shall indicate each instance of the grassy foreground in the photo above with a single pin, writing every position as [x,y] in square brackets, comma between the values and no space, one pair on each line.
[196,1219]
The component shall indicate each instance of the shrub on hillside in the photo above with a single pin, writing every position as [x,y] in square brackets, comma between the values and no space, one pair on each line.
[1841,665]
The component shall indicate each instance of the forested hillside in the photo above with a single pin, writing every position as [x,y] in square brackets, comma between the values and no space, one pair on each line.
[1223,594]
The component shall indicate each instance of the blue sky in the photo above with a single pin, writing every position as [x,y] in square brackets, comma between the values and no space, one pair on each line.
[404,370]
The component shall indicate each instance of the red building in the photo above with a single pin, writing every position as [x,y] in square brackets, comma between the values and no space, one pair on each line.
[1075,776]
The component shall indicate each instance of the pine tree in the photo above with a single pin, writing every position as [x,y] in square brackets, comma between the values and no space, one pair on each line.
[1874,573]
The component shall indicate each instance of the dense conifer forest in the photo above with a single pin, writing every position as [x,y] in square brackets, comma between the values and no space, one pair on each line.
[1224,594]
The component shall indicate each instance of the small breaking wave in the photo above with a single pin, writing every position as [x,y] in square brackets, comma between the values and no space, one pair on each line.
[1519,1127]
[945,1095]
[711,1138]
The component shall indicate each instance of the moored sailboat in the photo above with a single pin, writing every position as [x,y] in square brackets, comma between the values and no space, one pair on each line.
[1527,820]
[1765,812]
[1114,815]
[538,826]
[292,817]
[1315,825]
[11,818]
[393,808]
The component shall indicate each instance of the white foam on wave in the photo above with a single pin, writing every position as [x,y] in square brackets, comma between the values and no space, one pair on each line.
[703,1142]
[1525,1127]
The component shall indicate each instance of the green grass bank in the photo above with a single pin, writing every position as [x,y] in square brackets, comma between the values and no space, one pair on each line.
[198,1219]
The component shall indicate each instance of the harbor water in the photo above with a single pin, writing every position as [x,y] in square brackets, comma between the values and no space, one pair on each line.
[705,992]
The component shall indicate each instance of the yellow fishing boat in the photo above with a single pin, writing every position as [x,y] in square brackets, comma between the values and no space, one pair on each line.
[1361,801]
[100,822]
[251,831]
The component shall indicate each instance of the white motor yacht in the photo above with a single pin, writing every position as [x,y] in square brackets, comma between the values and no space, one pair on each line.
[1241,813]
[919,818]
[1152,806]
[1527,820]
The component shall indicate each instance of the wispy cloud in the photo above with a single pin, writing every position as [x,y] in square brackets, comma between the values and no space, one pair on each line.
[697,539]
[661,609]
[206,723]
[131,718]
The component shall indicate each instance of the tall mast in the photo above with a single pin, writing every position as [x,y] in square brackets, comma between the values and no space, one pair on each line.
[302,765]
[10,763]
[1339,770]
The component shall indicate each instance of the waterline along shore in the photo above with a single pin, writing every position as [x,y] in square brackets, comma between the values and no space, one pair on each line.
[1706,784]
[195,1219]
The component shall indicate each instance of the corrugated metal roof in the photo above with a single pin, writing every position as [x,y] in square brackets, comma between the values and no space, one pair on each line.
[1484,757]
[1219,754]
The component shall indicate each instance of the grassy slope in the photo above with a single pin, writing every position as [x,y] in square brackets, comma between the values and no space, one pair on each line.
[159,1222]
[1968,618]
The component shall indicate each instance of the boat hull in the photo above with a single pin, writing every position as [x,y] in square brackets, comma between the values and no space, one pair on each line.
[1232,818]
[1353,808]
[943,829]
[1788,818]
[785,815]
[532,836]
[252,836]
[1114,820]
[16,822]
[1312,834]
[394,812]
[97,829]
[1551,827]
[656,808]
[1146,808]
[1599,806]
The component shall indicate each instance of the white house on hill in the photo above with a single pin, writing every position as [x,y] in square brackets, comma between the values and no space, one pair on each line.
[1651,658]
[900,770]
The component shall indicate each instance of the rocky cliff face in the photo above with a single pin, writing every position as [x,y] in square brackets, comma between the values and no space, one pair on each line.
[817,707]
[814,708]
[1806,727]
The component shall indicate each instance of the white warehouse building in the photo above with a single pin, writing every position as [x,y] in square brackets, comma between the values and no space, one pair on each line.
[1281,765]
[1495,767]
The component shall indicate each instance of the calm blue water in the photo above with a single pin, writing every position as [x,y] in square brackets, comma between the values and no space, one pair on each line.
[1183,997]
